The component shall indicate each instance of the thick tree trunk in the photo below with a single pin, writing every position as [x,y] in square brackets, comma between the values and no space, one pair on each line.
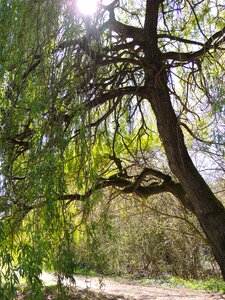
[207,208]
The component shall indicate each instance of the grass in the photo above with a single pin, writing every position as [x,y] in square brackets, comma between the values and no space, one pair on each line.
[80,271]
[215,285]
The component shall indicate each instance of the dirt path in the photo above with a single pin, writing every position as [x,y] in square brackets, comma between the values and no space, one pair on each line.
[129,291]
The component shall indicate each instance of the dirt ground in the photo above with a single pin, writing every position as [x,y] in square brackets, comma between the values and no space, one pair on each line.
[108,289]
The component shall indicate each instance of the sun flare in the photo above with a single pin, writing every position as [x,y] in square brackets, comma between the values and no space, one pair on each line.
[87,7]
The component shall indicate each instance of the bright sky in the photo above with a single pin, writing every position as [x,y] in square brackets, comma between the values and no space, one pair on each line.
[89,7]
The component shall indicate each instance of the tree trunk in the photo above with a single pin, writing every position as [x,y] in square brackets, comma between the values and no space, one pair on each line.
[207,208]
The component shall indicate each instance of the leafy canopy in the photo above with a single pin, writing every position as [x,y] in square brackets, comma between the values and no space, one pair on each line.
[74,119]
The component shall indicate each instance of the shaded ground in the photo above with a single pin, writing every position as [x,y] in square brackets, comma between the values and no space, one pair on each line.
[95,288]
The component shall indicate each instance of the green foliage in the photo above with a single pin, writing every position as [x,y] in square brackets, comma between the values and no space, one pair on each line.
[62,140]
[213,285]
[135,239]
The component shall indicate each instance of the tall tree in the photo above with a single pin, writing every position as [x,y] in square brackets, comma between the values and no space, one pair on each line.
[79,101]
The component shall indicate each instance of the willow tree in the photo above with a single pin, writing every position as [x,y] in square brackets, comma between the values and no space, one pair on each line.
[81,100]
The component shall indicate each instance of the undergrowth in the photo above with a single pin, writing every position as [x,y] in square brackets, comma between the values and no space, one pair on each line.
[212,284]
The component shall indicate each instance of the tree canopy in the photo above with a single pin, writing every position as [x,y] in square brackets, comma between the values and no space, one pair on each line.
[129,100]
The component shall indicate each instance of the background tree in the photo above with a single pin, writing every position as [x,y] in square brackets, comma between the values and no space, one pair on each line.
[88,102]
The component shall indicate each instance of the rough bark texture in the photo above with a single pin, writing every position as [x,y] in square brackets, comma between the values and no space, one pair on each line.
[207,208]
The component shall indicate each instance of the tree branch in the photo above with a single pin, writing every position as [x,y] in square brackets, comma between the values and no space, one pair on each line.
[112,94]
[211,43]
[165,185]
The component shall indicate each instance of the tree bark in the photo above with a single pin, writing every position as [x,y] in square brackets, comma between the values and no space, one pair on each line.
[207,208]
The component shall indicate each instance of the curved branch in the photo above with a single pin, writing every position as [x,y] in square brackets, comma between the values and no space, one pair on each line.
[128,31]
[179,39]
[198,138]
[112,94]
[134,187]
[211,43]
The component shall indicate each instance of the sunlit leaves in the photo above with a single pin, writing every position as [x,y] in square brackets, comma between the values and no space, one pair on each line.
[73,114]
